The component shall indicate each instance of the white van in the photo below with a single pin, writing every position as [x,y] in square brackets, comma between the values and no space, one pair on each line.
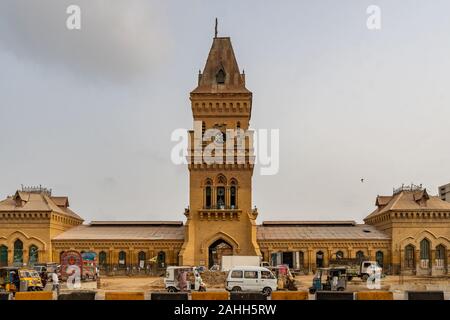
[250,278]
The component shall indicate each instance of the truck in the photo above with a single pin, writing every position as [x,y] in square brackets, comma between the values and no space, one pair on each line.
[228,262]
[356,267]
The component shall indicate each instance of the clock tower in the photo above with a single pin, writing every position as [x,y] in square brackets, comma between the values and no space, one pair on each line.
[220,218]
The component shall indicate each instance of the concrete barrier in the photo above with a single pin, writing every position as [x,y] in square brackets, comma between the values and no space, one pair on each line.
[290,295]
[247,296]
[334,295]
[374,295]
[34,295]
[169,296]
[124,295]
[425,295]
[77,295]
[211,295]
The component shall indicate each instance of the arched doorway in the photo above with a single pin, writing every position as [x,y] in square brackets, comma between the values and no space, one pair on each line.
[319,259]
[161,259]
[102,259]
[122,259]
[360,255]
[141,259]
[218,249]
[379,257]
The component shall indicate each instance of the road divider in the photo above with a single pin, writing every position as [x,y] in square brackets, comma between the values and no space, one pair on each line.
[211,295]
[290,295]
[334,295]
[239,295]
[374,295]
[34,295]
[77,295]
[169,296]
[425,295]
[112,295]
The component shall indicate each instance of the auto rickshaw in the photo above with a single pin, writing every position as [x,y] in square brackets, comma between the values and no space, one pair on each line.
[285,278]
[336,280]
[14,279]
[193,279]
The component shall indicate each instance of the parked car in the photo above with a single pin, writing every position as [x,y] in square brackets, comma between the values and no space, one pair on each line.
[251,278]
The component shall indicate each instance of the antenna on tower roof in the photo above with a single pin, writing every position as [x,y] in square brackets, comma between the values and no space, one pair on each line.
[215,30]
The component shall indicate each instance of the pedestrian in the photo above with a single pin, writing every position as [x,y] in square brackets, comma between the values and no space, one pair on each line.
[55,281]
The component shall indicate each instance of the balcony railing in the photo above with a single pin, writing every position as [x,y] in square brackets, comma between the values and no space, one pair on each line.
[220,214]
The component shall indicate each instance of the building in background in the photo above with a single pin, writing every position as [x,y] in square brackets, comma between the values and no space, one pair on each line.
[444,192]
[29,220]
[408,232]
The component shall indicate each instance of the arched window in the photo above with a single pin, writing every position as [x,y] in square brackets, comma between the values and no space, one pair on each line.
[379,257]
[208,197]
[233,204]
[339,255]
[3,256]
[440,256]
[220,77]
[221,179]
[102,258]
[141,259]
[440,252]
[33,255]
[161,259]
[122,259]
[18,251]
[220,198]
[409,257]
[424,249]
[360,255]
[238,125]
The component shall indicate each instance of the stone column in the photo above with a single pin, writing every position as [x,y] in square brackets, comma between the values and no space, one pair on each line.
[329,255]
[213,197]
[310,265]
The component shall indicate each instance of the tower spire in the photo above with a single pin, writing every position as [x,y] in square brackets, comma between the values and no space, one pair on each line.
[215,30]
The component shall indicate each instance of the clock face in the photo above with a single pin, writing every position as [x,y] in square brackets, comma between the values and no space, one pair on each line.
[218,139]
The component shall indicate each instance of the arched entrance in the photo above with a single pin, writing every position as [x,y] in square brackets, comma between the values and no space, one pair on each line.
[218,249]
[319,259]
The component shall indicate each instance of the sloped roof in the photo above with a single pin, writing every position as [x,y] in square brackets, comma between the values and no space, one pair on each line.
[34,201]
[409,201]
[123,232]
[330,223]
[320,232]
[221,57]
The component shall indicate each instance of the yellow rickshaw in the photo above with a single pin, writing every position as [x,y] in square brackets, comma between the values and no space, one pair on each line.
[11,279]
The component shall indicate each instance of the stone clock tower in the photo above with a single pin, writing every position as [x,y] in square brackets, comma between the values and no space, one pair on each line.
[220,218]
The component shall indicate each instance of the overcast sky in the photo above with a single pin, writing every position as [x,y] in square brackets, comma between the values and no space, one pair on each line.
[89,113]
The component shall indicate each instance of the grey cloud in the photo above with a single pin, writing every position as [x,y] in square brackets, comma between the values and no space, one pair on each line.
[118,40]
